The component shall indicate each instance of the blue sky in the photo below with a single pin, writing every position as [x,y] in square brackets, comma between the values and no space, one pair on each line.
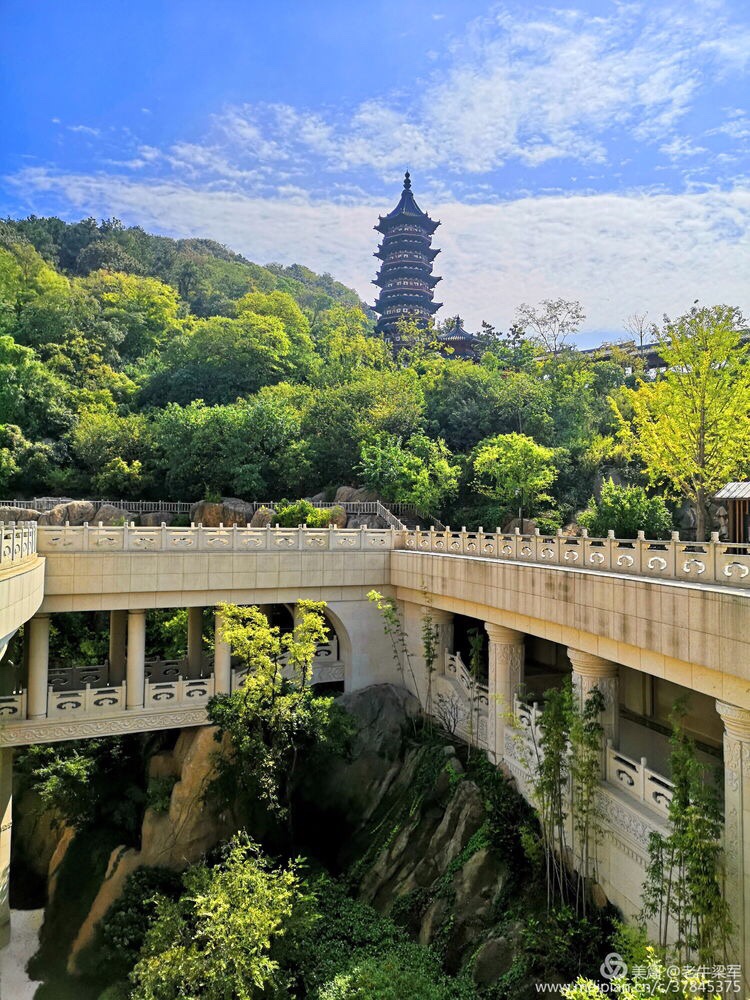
[596,150]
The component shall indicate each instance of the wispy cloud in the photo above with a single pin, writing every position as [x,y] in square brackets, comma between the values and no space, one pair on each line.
[616,253]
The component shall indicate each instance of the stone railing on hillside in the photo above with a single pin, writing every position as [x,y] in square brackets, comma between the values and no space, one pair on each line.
[461,702]
[634,778]
[695,562]
[127,538]
[18,543]
[44,504]
[389,513]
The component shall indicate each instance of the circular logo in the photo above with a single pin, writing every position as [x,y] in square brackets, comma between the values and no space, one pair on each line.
[614,966]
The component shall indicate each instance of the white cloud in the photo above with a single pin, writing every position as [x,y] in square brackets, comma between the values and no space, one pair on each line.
[84,129]
[617,253]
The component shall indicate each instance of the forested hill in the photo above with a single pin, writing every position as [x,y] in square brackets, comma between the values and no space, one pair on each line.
[207,275]
[140,367]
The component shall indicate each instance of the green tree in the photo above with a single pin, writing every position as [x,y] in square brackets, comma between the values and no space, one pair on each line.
[144,309]
[513,469]
[626,510]
[551,323]
[271,720]
[691,426]
[218,939]
[417,471]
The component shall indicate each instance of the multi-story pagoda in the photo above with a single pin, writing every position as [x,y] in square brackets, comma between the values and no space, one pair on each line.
[405,277]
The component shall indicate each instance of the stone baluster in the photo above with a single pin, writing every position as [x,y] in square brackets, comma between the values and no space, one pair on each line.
[506,669]
[136,659]
[222,658]
[38,666]
[737,828]
[118,631]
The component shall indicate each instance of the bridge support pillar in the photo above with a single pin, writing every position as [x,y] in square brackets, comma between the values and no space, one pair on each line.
[443,624]
[591,671]
[38,666]
[195,642]
[506,663]
[222,659]
[6,804]
[136,662]
[118,631]
[737,828]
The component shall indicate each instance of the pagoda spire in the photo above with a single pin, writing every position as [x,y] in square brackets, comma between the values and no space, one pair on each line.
[405,277]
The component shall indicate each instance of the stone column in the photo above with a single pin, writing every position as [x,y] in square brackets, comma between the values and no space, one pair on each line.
[222,659]
[195,642]
[38,684]
[443,622]
[590,671]
[6,803]
[506,662]
[136,661]
[737,829]
[118,632]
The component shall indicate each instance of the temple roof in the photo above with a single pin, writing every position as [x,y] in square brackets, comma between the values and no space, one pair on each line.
[406,210]
[457,334]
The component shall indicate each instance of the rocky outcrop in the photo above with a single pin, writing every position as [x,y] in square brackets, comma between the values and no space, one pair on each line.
[262,517]
[419,847]
[172,839]
[75,513]
[18,514]
[364,521]
[230,511]
[37,830]
[337,517]
[109,515]
[156,518]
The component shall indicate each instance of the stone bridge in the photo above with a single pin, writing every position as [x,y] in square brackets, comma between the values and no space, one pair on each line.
[642,620]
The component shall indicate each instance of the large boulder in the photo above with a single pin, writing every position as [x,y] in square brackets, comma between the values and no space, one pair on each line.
[338,517]
[172,839]
[229,511]
[236,511]
[363,495]
[110,515]
[363,521]
[526,527]
[155,518]
[344,494]
[75,513]
[262,517]
[383,714]
[18,514]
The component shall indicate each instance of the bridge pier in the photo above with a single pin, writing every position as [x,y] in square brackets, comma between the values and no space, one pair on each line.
[195,642]
[136,659]
[6,804]
[737,825]
[589,672]
[506,663]
[38,666]
[222,658]
[118,631]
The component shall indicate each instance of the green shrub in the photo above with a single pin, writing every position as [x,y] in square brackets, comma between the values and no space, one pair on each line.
[159,793]
[122,931]
[406,971]
[292,514]
[626,510]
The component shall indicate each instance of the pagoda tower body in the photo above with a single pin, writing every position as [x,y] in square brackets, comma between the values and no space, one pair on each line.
[405,277]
